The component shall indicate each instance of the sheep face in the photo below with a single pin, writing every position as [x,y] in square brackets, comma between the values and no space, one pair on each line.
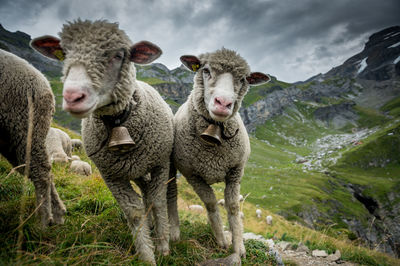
[221,81]
[220,93]
[98,74]
[81,97]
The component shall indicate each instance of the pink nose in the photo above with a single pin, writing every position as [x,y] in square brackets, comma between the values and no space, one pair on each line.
[73,96]
[221,102]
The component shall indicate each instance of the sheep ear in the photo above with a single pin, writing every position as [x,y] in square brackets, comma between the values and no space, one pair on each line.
[48,46]
[191,62]
[144,52]
[257,78]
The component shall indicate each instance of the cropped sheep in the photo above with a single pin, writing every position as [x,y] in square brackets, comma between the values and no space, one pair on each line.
[258,213]
[80,167]
[196,208]
[58,145]
[75,157]
[100,86]
[19,83]
[76,144]
[269,219]
[221,202]
[221,81]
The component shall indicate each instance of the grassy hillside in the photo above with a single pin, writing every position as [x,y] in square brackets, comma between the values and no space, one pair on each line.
[95,230]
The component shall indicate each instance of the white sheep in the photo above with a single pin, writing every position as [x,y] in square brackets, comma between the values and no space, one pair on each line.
[74,158]
[221,202]
[196,208]
[221,81]
[58,145]
[258,213]
[100,86]
[81,167]
[269,219]
[76,144]
[20,85]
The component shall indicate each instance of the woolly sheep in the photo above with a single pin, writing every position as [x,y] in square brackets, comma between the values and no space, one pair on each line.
[100,86]
[58,145]
[20,82]
[75,157]
[221,81]
[81,167]
[258,213]
[221,202]
[196,208]
[76,144]
[269,219]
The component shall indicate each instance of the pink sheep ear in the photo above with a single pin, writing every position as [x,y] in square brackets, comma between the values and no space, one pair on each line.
[191,62]
[257,78]
[144,52]
[48,46]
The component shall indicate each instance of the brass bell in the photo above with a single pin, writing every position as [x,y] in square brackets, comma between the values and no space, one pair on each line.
[212,135]
[120,140]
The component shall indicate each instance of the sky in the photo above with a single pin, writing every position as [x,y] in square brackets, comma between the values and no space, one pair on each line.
[289,39]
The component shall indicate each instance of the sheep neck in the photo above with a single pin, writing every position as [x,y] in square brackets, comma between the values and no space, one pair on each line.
[222,127]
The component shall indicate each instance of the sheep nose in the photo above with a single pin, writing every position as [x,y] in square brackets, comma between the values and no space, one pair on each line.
[73,96]
[221,102]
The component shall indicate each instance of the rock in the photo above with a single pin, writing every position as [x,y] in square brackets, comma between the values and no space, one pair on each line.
[319,253]
[334,257]
[283,245]
[302,248]
[233,260]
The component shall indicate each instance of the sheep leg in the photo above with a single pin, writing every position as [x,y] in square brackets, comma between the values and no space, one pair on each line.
[207,195]
[134,211]
[58,207]
[40,177]
[172,193]
[141,183]
[157,194]
[232,192]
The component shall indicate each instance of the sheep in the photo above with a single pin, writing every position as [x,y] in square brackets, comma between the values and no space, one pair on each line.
[81,167]
[258,213]
[100,87]
[76,144]
[221,202]
[75,157]
[58,145]
[269,219]
[222,79]
[24,88]
[196,208]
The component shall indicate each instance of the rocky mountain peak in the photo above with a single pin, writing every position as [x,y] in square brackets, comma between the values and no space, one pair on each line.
[378,61]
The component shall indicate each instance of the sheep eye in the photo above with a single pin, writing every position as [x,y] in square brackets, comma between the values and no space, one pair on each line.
[206,71]
[118,56]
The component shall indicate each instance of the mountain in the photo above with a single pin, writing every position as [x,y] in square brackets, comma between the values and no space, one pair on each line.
[325,151]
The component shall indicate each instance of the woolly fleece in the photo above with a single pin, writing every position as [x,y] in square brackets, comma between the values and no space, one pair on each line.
[18,81]
[150,125]
[204,165]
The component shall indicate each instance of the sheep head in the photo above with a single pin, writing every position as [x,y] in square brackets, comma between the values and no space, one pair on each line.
[98,74]
[221,81]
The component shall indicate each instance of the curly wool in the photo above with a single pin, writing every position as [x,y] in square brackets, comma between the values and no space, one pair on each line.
[221,61]
[87,43]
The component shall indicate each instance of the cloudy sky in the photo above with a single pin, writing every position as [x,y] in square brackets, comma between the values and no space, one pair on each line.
[292,40]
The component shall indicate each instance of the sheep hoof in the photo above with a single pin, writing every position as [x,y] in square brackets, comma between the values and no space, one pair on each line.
[147,257]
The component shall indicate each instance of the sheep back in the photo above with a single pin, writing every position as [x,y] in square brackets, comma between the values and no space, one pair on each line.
[18,80]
